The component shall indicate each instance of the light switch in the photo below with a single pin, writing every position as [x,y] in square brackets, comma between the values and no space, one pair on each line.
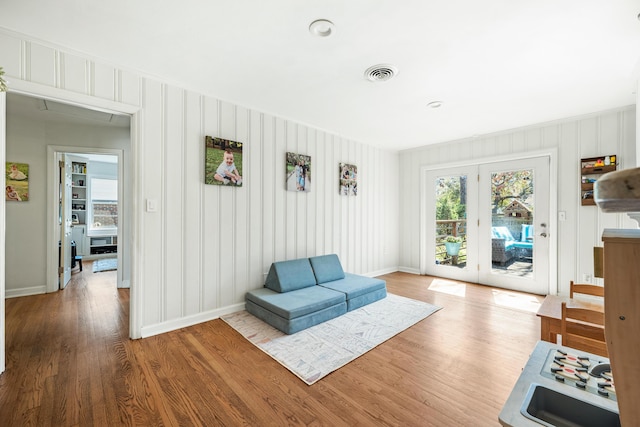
[152,205]
[562,216]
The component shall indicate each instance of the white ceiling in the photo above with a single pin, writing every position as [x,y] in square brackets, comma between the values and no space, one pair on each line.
[496,64]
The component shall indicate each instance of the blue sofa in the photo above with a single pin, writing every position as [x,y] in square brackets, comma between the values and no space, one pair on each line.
[504,246]
[303,292]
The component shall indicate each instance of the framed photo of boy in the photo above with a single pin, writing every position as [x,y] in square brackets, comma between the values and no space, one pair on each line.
[348,179]
[298,172]
[223,162]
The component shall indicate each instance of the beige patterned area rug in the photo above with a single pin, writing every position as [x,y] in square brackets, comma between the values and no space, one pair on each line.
[315,352]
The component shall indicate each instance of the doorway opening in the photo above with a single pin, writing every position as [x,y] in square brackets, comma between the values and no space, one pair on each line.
[90,196]
[41,132]
[488,223]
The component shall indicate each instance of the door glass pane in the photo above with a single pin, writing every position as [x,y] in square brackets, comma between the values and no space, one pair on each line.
[451,221]
[512,213]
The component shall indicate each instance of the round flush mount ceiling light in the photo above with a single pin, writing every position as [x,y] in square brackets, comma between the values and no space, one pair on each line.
[321,28]
[435,104]
[380,72]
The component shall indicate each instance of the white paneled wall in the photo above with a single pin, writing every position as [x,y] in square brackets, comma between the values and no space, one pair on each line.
[207,245]
[609,132]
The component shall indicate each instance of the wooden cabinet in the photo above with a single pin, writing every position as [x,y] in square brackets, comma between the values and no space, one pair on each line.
[622,317]
[590,169]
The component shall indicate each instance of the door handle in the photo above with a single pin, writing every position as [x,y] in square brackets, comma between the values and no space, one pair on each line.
[543,234]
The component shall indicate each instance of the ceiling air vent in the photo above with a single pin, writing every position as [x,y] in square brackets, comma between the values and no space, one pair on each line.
[381,72]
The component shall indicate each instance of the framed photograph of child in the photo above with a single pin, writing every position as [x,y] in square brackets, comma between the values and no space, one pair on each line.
[17,182]
[298,172]
[223,162]
[348,179]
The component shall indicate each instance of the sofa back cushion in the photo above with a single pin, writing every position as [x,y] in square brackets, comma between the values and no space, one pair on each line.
[501,233]
[527,233]
[327,268]
[285,276]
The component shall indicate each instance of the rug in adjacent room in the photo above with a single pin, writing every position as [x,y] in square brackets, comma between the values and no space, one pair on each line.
[315,352]
[105,264]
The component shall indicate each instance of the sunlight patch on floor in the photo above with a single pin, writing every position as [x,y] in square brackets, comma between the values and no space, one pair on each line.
[516,300]
[448,287]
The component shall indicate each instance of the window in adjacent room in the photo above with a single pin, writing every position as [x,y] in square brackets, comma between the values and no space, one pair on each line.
[104,203]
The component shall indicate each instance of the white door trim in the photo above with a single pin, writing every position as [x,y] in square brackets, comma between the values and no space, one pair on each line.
[552,153]
[3,235]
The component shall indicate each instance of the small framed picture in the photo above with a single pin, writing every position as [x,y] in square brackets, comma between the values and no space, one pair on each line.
[298,172]
[17,182]
[348,179]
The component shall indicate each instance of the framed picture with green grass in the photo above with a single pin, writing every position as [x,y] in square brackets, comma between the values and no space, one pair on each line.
[223,162]
[298,173]
[17,182]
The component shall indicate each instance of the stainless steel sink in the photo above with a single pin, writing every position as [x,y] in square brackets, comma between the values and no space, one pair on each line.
[551,408]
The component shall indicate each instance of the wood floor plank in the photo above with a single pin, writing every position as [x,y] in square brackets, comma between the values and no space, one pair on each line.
[70,363]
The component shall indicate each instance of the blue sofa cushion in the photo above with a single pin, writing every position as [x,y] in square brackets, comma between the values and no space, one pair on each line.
[524,245]
[365,299]
[291,326]
[293,304]
[326,268]
[354,285]
[285,276]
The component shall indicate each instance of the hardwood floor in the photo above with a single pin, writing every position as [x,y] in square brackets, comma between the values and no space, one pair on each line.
[70,363]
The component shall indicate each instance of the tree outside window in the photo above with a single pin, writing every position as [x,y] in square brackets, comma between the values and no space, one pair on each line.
[104,203]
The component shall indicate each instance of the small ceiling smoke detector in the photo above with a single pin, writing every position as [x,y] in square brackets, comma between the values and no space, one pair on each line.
[435,104]
[321,28]
[381,72]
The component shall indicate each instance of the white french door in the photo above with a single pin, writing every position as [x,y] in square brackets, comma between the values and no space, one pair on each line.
[65,223]
[514,201]
[500,214]
[451,210]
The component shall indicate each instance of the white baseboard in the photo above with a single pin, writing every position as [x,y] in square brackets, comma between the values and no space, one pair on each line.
[25,292]
[409,270]
[172,325]
[381,272]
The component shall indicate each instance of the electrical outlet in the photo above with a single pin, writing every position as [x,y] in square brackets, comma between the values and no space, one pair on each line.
[586,278]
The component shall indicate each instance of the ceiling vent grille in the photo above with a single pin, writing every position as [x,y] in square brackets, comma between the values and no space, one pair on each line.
[380,73]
